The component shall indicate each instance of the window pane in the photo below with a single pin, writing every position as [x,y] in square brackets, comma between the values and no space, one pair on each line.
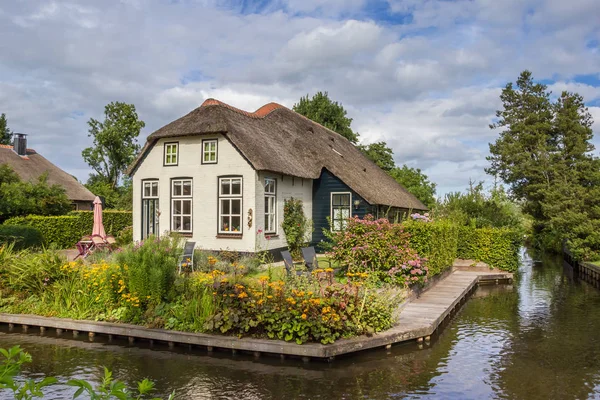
[187,188]
[272,205]
[225,224]
[267,226]
[177,207]
[177,188]
[146,190]
[235,224]
[213,156]
[267,203]
[187,223]
[225,186]
[176,223]
[225,209]
[236,186]
[236,207]
[187,207]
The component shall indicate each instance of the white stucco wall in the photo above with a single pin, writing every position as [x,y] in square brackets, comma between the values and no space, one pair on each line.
[205,190]
[287,187]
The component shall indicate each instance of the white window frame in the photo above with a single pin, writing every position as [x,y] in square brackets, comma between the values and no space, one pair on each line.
[331,209]
[182,198]
[150,184]
[209,152]
[231,198]
[174,155]
[271,197]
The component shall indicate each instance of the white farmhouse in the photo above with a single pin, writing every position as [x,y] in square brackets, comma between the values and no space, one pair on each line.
[220,175]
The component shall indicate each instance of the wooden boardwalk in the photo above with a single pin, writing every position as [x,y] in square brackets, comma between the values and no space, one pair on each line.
[418,320]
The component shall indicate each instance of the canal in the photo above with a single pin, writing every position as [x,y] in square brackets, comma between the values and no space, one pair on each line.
[537,339]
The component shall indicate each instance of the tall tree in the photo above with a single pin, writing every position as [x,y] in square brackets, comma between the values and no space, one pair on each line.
[331,114]
[521,155]
[416,182]
[115,142]
[544,155]
[380,154]
[5,133]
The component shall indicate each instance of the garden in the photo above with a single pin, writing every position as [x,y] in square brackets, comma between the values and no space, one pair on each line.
[374,262]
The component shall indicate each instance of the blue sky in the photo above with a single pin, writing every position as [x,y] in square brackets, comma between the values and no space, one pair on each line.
[423,75]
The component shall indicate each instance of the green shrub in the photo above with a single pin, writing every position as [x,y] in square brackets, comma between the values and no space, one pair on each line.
[151,267]
[23,237]
[295,225]
[30,272]
[434,240]
[379,248]
[66,230]
[497,247]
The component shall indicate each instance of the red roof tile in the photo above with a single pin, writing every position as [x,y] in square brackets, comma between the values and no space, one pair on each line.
[260,113]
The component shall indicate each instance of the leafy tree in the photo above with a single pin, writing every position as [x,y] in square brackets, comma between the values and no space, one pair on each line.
[115,141]
[380,154]
[119,198]
[480,209]
[321,109]
[5,133]
[544,154]
[23,198]
[416,182]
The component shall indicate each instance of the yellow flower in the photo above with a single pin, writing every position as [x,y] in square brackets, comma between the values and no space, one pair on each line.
[242,295]
[263,279]
[328,269]
[304,316]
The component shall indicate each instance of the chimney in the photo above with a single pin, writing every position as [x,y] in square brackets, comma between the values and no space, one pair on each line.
[20,144]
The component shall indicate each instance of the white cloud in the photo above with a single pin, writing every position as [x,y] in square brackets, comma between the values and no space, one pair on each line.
[429,86]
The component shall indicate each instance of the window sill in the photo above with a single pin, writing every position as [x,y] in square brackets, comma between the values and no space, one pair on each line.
[271,236]
[229,236]
[184,234]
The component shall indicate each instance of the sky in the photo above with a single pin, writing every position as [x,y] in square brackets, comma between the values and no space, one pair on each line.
[423,75]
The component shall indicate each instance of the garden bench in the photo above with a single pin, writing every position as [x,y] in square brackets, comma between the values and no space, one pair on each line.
[187,258]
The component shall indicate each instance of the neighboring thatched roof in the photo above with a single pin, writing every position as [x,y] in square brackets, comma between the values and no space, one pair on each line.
[33,165]
[277,139]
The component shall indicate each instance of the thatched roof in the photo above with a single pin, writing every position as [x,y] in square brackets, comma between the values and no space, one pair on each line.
[277,139]
[33,165]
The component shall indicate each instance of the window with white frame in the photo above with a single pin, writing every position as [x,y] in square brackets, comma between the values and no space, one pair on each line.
[181,205]
[171,153]
[209,151]
[341,210]
[270,205]
[230,205]
[150,190]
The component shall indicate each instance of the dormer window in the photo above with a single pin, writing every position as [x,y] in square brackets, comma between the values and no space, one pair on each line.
[209,151]
[171,153]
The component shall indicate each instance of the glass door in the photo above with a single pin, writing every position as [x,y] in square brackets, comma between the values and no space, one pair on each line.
[150,211]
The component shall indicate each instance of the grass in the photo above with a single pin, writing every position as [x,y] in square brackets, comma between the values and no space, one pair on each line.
[596,263]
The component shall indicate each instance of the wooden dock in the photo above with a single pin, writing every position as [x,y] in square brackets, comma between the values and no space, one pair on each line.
[418,320]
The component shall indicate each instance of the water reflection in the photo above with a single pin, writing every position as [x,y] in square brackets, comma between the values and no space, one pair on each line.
[533,340]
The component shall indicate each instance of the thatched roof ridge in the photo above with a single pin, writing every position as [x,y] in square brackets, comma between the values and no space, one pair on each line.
[33,165]
[277,139]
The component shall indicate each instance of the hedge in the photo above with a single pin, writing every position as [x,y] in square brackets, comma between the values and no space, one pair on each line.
[22,237]
[66,230]
[497,247]
[437,241]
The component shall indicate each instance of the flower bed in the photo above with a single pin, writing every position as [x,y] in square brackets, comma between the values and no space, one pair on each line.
[140,285]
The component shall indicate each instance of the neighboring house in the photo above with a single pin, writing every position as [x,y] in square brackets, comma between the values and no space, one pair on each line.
[220,175]
[29,166]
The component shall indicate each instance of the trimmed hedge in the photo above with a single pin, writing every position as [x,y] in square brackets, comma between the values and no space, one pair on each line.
[66,230]
[437,241]
[23,237]
[497,247]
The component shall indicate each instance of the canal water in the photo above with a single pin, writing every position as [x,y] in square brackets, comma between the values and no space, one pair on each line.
[537,339]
